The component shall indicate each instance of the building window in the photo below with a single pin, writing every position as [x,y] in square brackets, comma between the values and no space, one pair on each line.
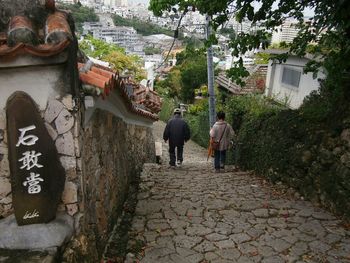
[291,77]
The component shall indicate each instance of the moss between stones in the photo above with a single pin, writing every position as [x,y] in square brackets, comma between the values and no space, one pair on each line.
[117,247]
[26,256]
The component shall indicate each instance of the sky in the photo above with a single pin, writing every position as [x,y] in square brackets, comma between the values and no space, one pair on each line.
[307,12]
[138,1]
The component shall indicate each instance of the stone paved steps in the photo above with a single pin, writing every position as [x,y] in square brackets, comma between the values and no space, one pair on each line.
[193,215]
[190,214]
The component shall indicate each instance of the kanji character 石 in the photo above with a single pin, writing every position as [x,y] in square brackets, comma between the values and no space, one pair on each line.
[27,140]
[33,183]
[30,160]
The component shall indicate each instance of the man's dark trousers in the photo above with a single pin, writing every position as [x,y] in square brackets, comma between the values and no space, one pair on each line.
[180,149]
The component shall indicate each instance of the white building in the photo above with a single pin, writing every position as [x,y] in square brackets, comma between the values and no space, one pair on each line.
[230,60]
[120,3]
[125,37]
[68,1]
[287,83]
[245,26]
[150,69]
[159,41]
[120,35]
[90,27]
[285,33]
[156,59]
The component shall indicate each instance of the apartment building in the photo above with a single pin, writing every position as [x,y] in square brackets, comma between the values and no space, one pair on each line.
[125,37]
[285,33]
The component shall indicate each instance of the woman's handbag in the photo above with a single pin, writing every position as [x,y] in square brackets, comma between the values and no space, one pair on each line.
[216,145]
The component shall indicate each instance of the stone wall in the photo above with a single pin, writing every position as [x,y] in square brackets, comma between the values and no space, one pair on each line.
[5,185]
[313,158]
[113,153]
[100,161]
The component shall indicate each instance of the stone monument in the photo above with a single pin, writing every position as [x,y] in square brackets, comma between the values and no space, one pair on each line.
[37,176]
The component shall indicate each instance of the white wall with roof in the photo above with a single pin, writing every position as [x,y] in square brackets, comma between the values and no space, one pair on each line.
[287,84]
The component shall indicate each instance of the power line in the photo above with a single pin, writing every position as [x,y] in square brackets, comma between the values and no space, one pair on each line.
[176,34]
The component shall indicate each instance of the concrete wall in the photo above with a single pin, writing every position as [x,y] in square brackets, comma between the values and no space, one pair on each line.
[292,96]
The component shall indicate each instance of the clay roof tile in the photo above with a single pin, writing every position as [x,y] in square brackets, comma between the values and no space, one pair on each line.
[23,38]
[57,28]
[107,79]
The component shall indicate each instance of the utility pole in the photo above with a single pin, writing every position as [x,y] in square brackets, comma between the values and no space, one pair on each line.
[211,92]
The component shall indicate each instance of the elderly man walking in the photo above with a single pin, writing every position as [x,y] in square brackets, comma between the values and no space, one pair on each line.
[177,133]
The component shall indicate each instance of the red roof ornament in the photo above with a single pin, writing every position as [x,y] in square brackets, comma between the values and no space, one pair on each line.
[21,31]
[21,36]
[57,28]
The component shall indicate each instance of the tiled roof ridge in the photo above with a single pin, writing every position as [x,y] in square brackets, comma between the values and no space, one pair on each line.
[40,50]
[106,79]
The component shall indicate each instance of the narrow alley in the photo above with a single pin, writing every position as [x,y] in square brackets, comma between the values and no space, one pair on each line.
[192,214]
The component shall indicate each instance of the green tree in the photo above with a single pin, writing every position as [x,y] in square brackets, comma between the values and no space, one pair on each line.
[329,28]
[193,76]
[227,31]
[262,58]
[113,54]
[141,27]
[193,41]
[189,74]
[80,14]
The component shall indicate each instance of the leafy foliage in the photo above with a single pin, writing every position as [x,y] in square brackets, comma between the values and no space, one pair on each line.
[171,86]
[228,31]
[248,106]
[189,75]
[97,48]
[198,107]
[262,58]
[193,75]
[329,28]
[199,126]
[115,55]
[80,14]
[285,146]
[168,106]
[193,41]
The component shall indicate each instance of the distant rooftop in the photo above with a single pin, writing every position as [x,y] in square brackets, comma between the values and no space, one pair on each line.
[161,37]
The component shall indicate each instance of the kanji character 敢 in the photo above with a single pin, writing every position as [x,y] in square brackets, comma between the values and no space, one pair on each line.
[30,160]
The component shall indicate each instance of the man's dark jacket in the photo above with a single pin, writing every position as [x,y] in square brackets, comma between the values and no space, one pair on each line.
[176,131]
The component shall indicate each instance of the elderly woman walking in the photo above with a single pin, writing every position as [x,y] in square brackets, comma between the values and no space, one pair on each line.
[221,134]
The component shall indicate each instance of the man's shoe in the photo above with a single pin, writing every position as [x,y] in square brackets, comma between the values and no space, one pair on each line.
[179,163]
[217,171]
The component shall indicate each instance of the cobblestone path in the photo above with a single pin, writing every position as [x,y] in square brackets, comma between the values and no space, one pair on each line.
[191,214]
